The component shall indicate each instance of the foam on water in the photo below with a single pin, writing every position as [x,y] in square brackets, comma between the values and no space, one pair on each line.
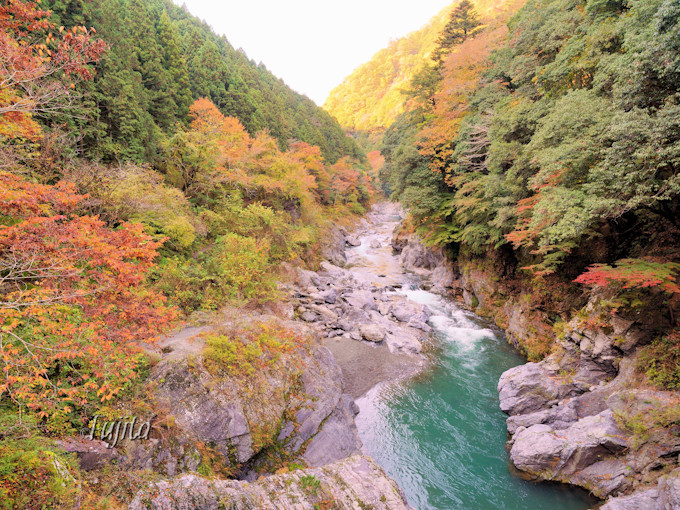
[441,435]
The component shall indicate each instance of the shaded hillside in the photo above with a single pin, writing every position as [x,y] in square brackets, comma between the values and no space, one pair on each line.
[370,98]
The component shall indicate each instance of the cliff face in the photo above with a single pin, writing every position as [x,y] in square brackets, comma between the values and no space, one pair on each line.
[583,414]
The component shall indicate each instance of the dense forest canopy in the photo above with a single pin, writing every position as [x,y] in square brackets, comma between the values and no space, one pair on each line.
[560,148]
[161,59]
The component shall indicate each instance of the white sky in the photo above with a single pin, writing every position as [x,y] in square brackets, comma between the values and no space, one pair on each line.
[313,44]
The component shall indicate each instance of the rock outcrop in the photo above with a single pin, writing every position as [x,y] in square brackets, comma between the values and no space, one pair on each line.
[569,422]
[664,496]
[296,404]
[354,483]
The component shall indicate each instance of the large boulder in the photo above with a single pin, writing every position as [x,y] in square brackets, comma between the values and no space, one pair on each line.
[405,311]
[417,258]
[557,454]
[334,247]
[372,332]
[526,389]
[362,300]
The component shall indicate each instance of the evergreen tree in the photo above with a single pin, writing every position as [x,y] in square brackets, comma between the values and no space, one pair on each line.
[464,23]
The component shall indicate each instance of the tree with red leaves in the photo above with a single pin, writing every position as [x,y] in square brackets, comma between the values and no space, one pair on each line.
[74,310]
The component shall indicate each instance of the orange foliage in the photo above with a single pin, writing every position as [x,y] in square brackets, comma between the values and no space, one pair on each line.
[258,167]
[36,76]
[463,67]
[73,307]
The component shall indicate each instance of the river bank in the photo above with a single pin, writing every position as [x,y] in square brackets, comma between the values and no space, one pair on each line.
[585,415]
[387,377]
[435,425]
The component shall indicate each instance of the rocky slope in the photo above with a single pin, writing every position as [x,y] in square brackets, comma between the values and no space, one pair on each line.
[583,415]
[354,483]
[222,426]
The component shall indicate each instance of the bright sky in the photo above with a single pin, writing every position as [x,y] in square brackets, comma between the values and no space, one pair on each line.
[313,44]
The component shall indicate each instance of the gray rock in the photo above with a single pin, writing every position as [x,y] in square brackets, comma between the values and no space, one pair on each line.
[665,496]
[362,300]
[338,438]
[404,311]
[309,316]
[92,453]
[372,332]
[304,278]
[325,312]
[603,478]
[526,389]
[403,341]
[560,417]
[334,248]
[330,296]
[357,482]
[375,244]
[384,308]
[416,257]
[418,324]
[353,241]
[442,277]
[669,491]
[541,450]
[642,500]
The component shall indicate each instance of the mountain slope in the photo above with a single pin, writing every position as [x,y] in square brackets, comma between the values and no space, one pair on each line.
[161,59]
[370,98]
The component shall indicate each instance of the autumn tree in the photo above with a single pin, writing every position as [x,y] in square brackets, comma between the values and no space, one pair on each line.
[39,65]
[73,305]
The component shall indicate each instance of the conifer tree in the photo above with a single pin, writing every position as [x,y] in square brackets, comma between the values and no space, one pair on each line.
[463,23]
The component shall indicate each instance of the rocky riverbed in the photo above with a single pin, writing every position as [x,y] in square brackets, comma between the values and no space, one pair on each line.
[374,332]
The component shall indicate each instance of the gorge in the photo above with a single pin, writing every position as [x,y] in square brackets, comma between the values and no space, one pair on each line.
[457,286]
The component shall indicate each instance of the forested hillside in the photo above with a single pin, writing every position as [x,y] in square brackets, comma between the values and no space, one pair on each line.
[371,98]
[148,171]
[558,157]
[161,59]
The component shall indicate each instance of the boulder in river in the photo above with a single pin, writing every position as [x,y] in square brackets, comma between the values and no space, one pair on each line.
[526,389]
[404,311]
[541,449]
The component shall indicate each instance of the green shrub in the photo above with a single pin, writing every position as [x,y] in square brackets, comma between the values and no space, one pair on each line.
[660,361]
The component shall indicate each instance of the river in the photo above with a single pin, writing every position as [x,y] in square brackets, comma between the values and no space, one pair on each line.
[441,434]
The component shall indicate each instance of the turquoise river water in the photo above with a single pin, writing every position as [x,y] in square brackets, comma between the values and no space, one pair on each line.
[441,435]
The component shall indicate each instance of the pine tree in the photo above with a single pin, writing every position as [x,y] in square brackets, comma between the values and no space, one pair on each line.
[176,85]
[463,23]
